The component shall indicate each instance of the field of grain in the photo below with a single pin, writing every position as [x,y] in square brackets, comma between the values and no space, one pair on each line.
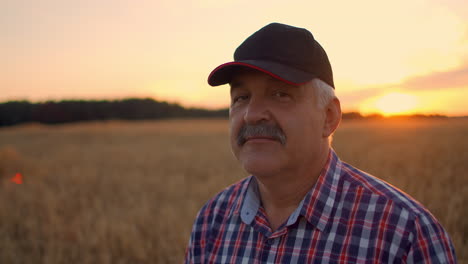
[128,192]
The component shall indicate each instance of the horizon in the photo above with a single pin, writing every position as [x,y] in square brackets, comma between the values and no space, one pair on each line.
[348,113]
[395,58]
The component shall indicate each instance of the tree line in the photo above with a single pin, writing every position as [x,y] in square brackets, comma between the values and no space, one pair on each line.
[57,112]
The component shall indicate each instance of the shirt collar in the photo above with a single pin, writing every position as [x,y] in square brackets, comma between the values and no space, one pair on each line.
[251,202]
[317,204]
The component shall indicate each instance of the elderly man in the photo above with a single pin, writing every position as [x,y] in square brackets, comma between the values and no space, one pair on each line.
[302,204]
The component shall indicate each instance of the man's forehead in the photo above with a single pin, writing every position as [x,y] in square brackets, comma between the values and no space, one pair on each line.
[243,76]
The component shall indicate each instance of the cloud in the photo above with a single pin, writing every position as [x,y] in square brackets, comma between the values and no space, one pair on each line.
[453,79]
[358,95]
[457,78]
[458,7]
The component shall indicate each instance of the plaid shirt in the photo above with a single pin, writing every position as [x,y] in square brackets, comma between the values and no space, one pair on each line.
[347,217]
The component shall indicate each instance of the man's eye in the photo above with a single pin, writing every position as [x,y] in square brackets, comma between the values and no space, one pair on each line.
[239,98]
[281,95]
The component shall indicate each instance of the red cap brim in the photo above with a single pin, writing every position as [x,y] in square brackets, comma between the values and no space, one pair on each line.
[223,74]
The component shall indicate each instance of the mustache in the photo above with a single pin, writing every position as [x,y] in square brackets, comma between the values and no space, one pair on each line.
[260,130]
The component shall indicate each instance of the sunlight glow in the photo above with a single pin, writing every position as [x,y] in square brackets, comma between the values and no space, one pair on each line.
[393,104]
[62,50]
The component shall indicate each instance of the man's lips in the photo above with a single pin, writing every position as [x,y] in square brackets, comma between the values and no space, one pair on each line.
[260,138]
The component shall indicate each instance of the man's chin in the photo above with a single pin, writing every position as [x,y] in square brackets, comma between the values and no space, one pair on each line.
[259,165]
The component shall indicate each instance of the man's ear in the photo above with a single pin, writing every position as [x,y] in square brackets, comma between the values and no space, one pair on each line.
[332,117]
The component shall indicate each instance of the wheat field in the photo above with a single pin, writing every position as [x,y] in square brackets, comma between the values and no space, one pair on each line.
[128,192]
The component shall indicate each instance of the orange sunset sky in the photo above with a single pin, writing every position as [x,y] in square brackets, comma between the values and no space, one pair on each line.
[390,57]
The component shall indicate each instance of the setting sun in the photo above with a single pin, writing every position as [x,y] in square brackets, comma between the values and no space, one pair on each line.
[393,104]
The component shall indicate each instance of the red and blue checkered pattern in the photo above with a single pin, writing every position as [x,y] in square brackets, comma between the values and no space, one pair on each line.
[348,216]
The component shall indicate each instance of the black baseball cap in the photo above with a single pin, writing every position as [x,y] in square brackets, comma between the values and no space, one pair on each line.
[287,53]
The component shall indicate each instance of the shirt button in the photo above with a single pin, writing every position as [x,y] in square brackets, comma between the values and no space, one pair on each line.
[270,241]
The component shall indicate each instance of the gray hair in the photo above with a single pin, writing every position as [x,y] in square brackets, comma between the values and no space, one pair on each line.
[323,91]
[325,94]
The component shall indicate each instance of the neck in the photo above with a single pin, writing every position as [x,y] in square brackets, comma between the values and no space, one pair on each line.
[282,193]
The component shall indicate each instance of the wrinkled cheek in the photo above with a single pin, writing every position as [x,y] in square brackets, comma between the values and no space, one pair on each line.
[235,149]
[233,132]
[233,142]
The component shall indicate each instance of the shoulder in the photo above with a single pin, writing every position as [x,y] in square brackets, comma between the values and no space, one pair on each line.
[401,215]
[223,204]
[211,218]
[382,190]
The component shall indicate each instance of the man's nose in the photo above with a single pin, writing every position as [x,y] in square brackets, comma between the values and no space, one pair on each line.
[257,111]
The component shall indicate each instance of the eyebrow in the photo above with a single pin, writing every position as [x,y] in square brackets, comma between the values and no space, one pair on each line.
[236,84]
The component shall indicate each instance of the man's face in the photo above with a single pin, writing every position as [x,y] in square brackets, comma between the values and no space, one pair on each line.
[274,127]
